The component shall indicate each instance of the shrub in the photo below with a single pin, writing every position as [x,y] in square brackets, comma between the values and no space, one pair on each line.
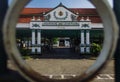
[95,49]
[24,51]
[55,40]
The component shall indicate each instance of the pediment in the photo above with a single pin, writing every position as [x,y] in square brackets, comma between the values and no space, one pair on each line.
[60,13]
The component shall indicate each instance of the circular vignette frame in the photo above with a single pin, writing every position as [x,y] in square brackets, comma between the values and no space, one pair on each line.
[110,41]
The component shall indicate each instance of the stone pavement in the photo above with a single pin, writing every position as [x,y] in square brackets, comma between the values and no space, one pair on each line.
[68,68]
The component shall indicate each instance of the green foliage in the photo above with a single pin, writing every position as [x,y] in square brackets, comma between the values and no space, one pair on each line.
[24,51]
[95,49]
[55,40]
[26,57]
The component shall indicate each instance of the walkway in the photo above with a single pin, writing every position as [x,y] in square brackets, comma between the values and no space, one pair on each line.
[62,53]
[68,68]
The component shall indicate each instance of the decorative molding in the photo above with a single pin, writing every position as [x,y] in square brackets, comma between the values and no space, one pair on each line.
[47,18]
[88,45]
[60,23]
[73,17]
[82,45]
[85,25]
[35,25]
[60,13]
[36,45]
[59,18]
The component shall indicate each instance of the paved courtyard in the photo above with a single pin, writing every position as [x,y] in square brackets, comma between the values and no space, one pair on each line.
[68,68]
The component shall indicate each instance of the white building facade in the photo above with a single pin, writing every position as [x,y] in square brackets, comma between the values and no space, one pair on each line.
[60,18]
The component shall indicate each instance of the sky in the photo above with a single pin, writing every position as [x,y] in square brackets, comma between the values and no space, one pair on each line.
[67,3]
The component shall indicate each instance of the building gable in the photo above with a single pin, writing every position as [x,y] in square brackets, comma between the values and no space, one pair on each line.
[60,13]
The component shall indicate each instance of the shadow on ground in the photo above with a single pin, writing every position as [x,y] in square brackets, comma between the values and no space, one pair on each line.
[61,53]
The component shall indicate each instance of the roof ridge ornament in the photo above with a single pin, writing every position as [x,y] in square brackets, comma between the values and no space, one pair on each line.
[82,19]
[33,18]
[88,19]
[39,19]
[60,4]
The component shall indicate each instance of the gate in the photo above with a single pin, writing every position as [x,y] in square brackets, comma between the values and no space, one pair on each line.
[26,74]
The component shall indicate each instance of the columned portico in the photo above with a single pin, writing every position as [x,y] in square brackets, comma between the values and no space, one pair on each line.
[39,41]
[85,35]
[36,41]
[61,19]
[33,41]
[87,41]
[82,45]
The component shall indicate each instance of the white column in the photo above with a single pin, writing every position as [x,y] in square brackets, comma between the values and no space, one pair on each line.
[82,37]
[88,37]
[82,47]
[88,41]
[39,41]
[33,41]
[58,43]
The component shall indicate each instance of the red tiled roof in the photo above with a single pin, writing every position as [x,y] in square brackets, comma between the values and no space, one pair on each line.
[82,12]
[34,10]
[42,10]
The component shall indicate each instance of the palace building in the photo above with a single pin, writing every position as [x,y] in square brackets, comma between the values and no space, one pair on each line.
[59,27]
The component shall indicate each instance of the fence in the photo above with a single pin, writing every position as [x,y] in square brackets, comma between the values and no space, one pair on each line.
[8,48]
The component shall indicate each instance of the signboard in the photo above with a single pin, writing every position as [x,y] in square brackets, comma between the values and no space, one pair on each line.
[63,23]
